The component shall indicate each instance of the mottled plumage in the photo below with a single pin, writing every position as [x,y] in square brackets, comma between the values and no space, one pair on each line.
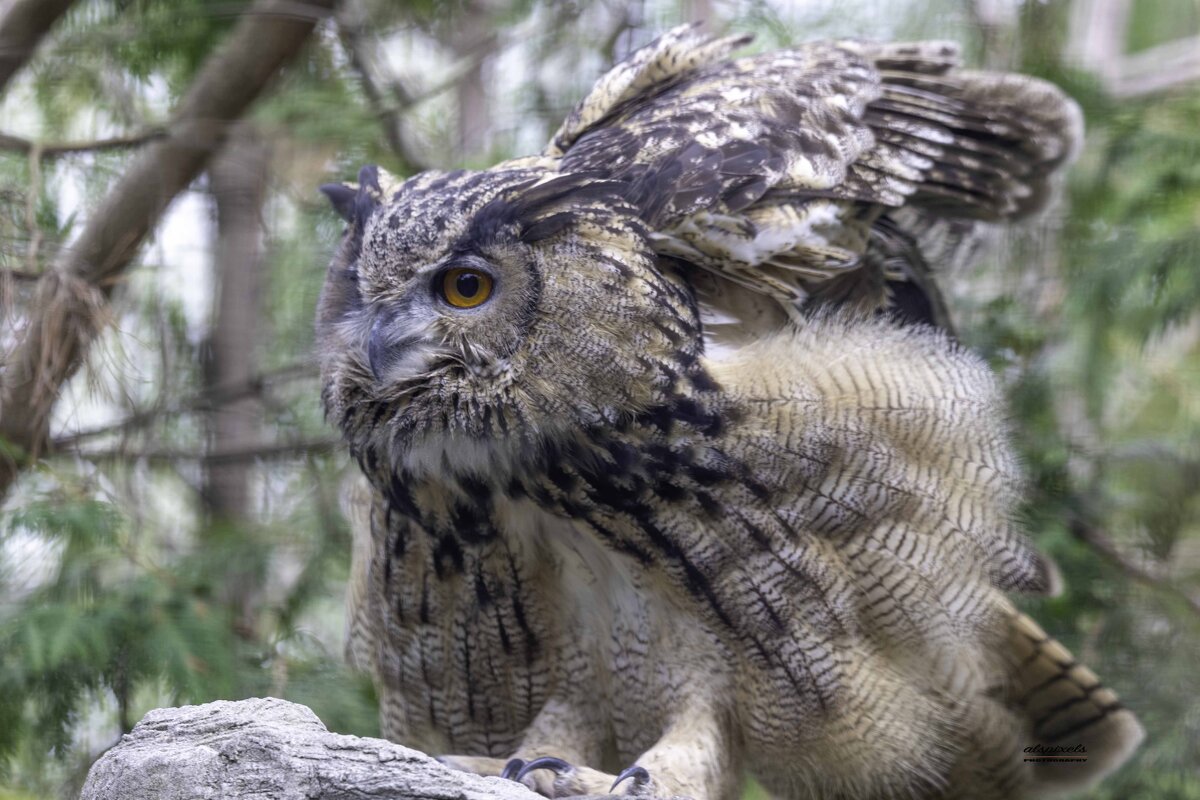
[671,493]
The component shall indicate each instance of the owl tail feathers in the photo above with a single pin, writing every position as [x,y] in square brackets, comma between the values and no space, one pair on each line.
[1071,715]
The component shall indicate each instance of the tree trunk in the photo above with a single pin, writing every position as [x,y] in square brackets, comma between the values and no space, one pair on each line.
[71,298]
[238,179]
[471,35]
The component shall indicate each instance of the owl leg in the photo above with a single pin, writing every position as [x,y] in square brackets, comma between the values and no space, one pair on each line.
[553,777]
[566,732]
[567,729]
[694,758]
[549,776]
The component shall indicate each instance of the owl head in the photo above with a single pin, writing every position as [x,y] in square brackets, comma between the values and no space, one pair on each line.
[471,316]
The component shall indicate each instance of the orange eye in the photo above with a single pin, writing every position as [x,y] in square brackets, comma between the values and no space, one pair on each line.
[463,287]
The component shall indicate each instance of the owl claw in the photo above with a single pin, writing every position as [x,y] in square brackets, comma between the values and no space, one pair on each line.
[545,762]
[512,769]
[639,774]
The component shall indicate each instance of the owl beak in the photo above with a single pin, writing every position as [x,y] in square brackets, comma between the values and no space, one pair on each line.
[381,347]
[375,351]
[394,348]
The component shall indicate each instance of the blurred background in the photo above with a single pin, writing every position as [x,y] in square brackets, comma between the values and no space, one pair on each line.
[175,535]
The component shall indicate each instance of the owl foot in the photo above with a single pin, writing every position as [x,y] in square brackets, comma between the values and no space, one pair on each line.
[569,780]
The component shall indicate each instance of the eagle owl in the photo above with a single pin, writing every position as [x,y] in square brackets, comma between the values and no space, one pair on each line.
[671,476]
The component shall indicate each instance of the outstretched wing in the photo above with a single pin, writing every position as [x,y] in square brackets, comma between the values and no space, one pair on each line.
[826,170]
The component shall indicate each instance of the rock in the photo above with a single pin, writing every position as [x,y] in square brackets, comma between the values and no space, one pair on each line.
[268,749]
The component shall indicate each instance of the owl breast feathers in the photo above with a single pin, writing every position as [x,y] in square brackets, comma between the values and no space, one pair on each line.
[668,476]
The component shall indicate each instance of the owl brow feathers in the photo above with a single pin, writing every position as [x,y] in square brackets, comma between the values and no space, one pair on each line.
[530,211]
[533,211]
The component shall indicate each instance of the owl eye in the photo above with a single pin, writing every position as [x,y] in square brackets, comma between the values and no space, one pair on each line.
[463,287]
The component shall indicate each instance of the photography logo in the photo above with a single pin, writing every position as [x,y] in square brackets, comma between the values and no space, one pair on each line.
[1056,754]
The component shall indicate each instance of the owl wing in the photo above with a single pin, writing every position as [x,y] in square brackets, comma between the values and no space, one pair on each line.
[826,170]
[878,555]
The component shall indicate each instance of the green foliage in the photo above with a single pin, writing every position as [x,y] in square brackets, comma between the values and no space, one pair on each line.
[1103,387]
[86,629]
[134,41]
[156,38]
[113,620]
[1159,21]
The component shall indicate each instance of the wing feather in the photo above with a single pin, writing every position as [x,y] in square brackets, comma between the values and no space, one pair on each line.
[676,53]
[779,172]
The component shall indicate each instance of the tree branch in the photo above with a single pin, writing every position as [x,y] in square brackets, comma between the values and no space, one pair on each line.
[69,299]
[22,29]
[1101,543]
[23,275]
[206,400]
[351,25]
[55,149]
[252,451]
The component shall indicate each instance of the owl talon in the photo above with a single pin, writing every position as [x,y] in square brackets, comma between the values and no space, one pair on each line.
[545,762]
[512,770]
[639,774]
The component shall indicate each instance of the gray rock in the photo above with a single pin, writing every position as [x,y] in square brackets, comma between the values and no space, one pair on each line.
[268,749]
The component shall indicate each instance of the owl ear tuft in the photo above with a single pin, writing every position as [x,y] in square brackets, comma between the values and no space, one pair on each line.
[354,202]
[341,196]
